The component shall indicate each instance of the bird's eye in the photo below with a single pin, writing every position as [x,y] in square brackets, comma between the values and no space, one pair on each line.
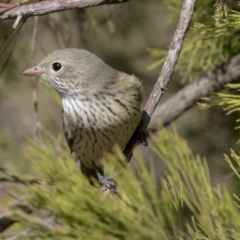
[56,66]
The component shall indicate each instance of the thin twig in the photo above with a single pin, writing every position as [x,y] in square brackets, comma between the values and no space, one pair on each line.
[28,234]
[7,40]
[15,179]
[226,178]
[34,79]
[9,191]
[45,7]
[9,54]
[18,19]
[167,70]
[4,7]
[194,91]
[48,222]
[6,219]
[5,222]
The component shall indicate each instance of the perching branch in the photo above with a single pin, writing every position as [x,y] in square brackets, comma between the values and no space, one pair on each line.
[193,92]
[45,7]
[166,72]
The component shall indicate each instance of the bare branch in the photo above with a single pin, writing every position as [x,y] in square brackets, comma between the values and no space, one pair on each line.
[6,219]
[50,6]
[4,7]
[15,179]
[166,73]
[10,36]
[5,222]
[23,235]
[17,21]
[193,92]
[34,81]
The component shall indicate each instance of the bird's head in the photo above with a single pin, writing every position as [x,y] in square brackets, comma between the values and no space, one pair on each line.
[72,71]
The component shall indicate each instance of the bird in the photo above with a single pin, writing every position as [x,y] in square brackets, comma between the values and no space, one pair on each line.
[101,106]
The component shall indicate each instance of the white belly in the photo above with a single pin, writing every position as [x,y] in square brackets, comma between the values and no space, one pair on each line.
[95,127]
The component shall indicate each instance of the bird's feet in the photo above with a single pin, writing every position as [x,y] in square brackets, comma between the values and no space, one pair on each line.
[107,183]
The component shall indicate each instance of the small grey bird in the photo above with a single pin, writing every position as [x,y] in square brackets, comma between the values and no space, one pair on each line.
[101,106]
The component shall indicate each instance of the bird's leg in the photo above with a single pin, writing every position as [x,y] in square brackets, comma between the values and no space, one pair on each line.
[106,182]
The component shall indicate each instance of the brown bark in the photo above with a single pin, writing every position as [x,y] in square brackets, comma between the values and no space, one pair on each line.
[50,6]
[166,73]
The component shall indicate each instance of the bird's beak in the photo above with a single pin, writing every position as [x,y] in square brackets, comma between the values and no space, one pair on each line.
[32,72]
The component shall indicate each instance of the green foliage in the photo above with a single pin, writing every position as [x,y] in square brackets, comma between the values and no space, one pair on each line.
[212,41]
[143,211]
[235,159]
[230,101]
[203,9]
[189,174]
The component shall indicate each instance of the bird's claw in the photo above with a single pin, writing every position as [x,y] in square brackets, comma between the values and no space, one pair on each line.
[108,184]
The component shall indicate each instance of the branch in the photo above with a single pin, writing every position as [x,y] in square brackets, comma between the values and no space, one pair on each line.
[50,6]
[5,222]
[6,219]
[193,92]
[15,179]
[4,7]
[166,72]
